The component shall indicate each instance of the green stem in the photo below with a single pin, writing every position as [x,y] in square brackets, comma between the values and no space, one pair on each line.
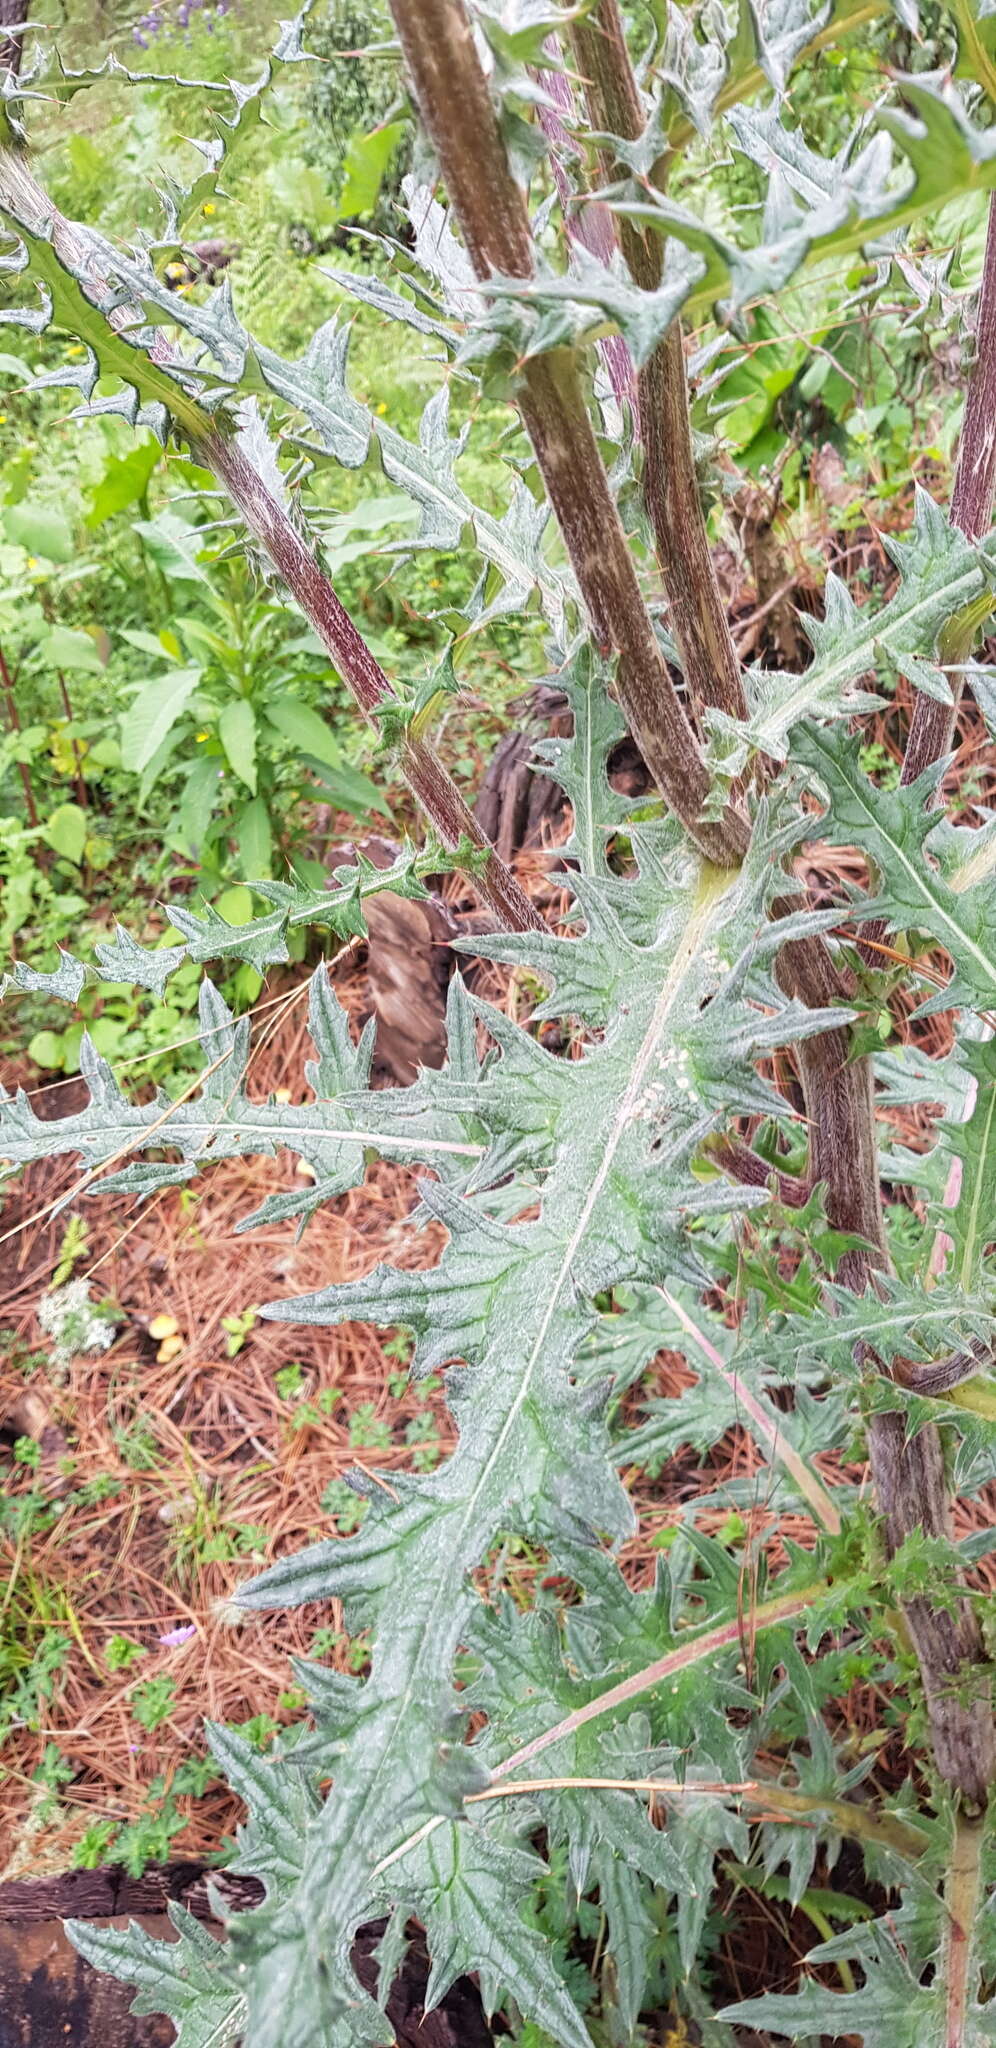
[963,1899]
[781,1800]
[767,1614]
[763,1424]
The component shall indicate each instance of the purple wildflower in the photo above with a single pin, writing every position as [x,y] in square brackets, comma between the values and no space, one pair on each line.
[175,1636]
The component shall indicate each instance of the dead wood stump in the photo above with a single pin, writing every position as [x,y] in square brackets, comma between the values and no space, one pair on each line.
[50,1998]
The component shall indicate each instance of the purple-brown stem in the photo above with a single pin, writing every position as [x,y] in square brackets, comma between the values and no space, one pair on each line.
[932,727]
[456,109]
[7,682]
[910,1482]
[81,791]
[745,1165]
[590,225]
[13,22]
[428,780]
[670,484]
[909,1477]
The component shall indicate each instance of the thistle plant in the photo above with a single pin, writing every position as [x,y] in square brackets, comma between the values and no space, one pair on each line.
[619,1742]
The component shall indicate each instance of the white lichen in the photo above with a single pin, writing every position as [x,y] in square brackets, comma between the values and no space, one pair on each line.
[76,1326]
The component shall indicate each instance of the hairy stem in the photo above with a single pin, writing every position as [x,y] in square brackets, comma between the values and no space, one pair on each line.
[670,484]
[13,22]
[908,1473]
[428,780]
[912,1491]
[589,225]
[909,1476]
[456,108]
[933,724]
[745,1165]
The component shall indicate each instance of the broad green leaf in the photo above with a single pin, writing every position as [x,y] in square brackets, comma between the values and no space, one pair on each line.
[305,730]
[254,838]
[41,530]
[199,801]
[46,1048]
[174,547]
[237,728]
[235,905]
[124,481]
[350,790]
[66,830]
[365,162]
[151,717]
[63,647]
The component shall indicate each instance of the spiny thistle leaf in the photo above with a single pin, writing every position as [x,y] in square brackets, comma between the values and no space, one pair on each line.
[514,1301]
[261,941]
[894,826]
[580,764]
[333,1133]
[970,1220]
[559,1179]
[937,144]
[179,1978]
[893,2009]
[513,1297]
[900,1321]
[118,305]
[940,573]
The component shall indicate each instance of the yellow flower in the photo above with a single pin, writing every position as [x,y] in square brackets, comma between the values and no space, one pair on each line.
[76,348]
[32,561]
[209,206]
[382,408]
[3,419]
[203,735]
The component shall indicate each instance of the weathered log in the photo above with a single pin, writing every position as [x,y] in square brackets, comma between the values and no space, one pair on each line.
[49,1998]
